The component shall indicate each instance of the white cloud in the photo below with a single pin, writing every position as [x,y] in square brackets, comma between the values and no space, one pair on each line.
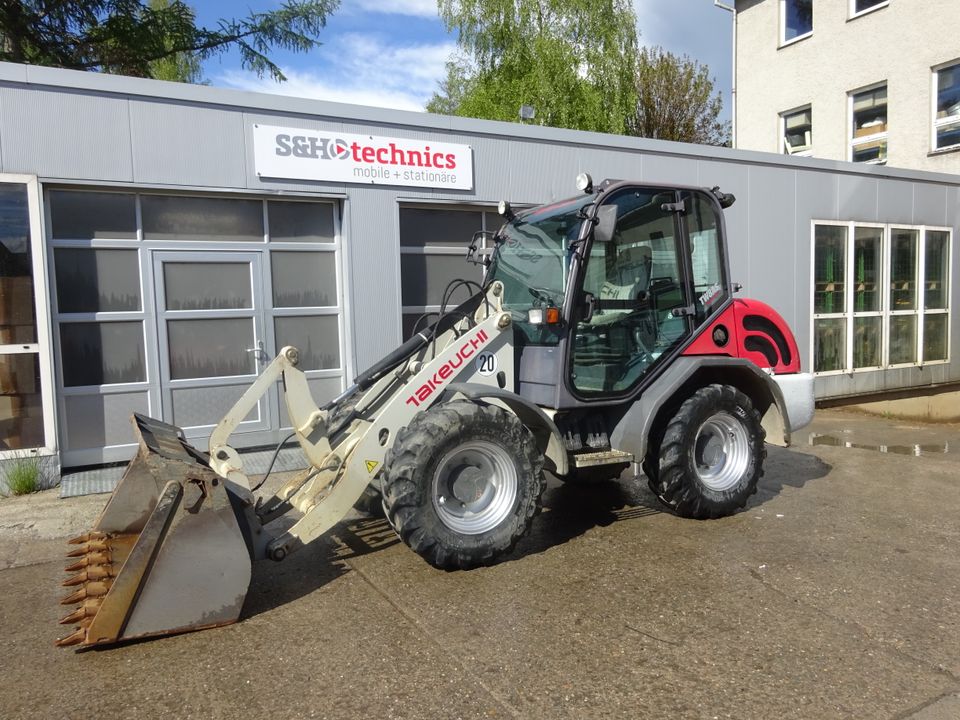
[418,8]
[361,69]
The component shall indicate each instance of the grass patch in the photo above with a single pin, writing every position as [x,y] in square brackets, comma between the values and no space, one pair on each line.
[23,475]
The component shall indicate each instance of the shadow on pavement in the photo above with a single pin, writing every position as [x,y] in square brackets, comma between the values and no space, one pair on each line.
[570,510]
[787,468]
[276,583]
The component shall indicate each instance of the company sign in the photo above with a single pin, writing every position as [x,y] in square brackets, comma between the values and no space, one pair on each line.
[284,152]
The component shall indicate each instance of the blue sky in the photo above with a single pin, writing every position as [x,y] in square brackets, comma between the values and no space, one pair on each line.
[391,53]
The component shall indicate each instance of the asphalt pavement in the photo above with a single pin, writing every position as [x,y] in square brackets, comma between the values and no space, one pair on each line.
[835,594]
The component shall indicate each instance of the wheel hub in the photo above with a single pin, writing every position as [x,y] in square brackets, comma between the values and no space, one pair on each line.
[469,484]
[475,487]
[721,451]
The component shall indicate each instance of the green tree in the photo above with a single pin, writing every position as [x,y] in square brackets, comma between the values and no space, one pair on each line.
[127,36]
[572,60]
[676,100]
[178,67]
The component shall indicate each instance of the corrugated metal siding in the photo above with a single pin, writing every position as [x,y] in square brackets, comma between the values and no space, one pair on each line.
[172,142]
[65,134]
[109,130]
[374,252]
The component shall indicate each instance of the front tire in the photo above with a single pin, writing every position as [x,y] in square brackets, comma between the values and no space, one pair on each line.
[711,455]
[462,483]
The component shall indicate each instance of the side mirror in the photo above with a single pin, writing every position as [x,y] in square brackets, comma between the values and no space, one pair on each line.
[472,248]
[606,223]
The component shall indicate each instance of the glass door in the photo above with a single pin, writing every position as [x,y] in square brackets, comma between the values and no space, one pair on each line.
[637,281]
[26,406]
[211,337]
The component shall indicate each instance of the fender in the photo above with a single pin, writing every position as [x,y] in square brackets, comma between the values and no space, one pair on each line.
[544,430]
[681,379]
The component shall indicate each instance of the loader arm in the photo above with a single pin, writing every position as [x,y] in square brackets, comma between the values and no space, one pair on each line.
[357,455]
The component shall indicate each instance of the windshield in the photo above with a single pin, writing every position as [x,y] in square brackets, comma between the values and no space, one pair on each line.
[533,253]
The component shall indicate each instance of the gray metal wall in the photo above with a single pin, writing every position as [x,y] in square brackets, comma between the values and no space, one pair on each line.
[99,130]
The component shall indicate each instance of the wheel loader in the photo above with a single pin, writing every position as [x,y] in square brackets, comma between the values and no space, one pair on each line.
[605,335]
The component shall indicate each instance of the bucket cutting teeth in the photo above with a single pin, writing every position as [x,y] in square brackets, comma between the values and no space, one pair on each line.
[87,537]
[87,610]
[91,560]
[89,590]
[94,572]
[89,547]
[75,639]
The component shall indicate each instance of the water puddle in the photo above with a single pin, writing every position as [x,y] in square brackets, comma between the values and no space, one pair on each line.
[916,450]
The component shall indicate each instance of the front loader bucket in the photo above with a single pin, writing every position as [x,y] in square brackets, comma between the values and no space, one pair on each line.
[167,554]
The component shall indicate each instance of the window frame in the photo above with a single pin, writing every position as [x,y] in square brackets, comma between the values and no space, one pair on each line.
[155,395]
[485,249]
[784,42]
[853,13]
[936,123]
[852,141]
[784,147]
[42,344]
[886,313]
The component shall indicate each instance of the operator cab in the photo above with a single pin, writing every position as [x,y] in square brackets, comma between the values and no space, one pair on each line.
[606,287]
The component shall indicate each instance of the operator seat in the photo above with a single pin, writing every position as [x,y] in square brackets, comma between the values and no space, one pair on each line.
[629,278]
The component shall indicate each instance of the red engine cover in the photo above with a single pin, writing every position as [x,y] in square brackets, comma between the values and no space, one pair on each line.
[754,331]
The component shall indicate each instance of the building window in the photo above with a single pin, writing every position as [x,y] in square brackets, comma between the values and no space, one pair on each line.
[796,20]
[796,132]
[433,241]
[880,296]
[946,115]
[168,304]
[861,7]
[869,125]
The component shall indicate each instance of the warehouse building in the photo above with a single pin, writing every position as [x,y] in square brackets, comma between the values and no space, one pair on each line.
[160,242]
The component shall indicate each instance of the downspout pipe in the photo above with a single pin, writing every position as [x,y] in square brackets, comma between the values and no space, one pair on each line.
[733,84]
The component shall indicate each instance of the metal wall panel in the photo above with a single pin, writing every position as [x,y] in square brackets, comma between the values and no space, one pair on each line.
[875,381]
[534,170]
[121,130]
[669,169]
[929,204]
[65,135]
[732,178]
[894,202]
[372,260]
[856,198]
[172,142]
[601,164]
[773,240]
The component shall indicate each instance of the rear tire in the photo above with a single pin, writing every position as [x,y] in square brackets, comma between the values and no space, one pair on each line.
[711,455]
[462,483]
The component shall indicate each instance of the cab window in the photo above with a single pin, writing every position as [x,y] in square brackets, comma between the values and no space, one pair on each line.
[635,281]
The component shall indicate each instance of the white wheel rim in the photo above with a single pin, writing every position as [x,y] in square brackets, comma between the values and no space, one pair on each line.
[721,452]
[474,487]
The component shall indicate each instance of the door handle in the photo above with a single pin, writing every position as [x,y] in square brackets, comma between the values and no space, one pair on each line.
[259,352]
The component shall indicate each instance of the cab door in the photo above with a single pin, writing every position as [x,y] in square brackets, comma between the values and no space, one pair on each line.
[636,295]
